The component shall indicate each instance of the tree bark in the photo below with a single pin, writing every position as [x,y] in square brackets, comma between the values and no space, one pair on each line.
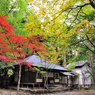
[92,71]
[19,78]
[92,3]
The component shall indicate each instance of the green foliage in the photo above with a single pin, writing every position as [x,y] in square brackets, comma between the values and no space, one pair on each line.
[75,75]
[36,69]
[2,64]
[70,66]
[79,57]
[10,72]
[39,70]
[16,12]
[63,22]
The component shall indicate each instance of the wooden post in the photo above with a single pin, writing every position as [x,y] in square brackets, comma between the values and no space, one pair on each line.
[22,85]
[33,85]
[27,85]
[39,86]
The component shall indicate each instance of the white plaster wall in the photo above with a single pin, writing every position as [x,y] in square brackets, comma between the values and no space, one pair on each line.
[78,79]
[87,75]
[69,80]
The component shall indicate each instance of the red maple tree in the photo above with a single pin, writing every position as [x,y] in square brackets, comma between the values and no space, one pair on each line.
[16,45]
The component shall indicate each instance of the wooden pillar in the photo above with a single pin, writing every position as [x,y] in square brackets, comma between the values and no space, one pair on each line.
[78,83]
[27,85]
[33,85]
[67,79]
[39,86]
[22,85]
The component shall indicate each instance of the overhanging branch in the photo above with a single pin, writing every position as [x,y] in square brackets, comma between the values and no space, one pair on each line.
[88,48]
[90,41]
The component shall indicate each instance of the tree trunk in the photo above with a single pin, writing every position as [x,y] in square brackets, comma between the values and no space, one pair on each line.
[19,78]
[46,81]
[92,71]
[64,60]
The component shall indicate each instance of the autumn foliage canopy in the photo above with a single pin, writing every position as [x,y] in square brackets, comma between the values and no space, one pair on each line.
[16,46]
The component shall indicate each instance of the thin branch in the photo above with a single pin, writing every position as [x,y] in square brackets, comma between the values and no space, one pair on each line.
[55,2]
[68,13]
[12,7]
[78,42]
[84,13]
[89,40]
[75,43]
[88,48]
[58,15]
[83,5]
[76,16]
[60,12]
[78,11]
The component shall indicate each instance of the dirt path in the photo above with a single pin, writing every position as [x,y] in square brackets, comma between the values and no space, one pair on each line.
[89,92]
[13,92]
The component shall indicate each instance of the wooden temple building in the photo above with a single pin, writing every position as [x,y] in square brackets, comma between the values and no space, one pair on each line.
[53,74]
